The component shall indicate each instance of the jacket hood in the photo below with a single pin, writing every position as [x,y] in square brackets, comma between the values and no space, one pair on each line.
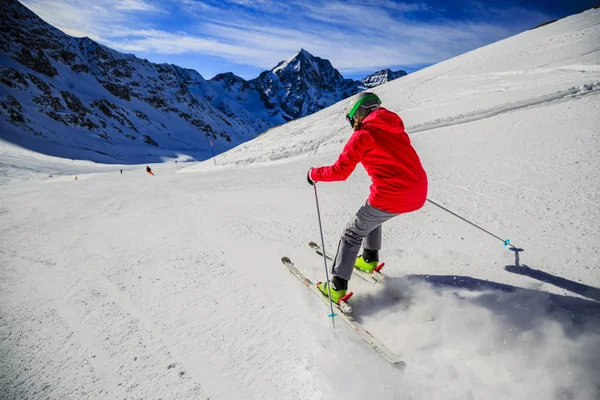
[382,116]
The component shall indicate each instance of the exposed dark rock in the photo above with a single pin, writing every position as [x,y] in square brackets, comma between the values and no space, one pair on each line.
[149,140]
[43,86]
[229,80]
[115,112]
[156,101]
[56,116]
[141,115]
[73,103]
[38,62]
[12,109]
[225,109]
[49,102]
[80,68]
[203,127]
[105,106]
[86,123]
[12,78]
[225,120]
[80,120]
[119,91]
[65,56]
[118,74]
[266,101]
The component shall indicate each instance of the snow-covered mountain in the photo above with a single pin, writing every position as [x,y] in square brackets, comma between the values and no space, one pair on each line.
[299,86]
[61,94]
[303,85]
[74,98]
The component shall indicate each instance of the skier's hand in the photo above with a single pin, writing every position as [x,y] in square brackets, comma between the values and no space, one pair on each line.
[308,178]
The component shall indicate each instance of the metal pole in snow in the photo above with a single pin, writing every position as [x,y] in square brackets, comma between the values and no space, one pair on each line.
[505,241]
[213,151]
[332,314]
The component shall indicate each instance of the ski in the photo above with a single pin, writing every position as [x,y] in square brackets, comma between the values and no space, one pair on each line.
[345,315]
[373,278]
[342,308]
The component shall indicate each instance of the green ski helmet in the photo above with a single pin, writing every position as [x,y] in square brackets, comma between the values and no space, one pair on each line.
[360,106]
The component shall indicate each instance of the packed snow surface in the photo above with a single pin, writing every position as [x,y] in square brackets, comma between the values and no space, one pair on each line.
[132,286]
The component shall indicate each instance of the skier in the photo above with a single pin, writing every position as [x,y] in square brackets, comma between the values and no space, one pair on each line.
[121,172]
[399,185]
[149,171]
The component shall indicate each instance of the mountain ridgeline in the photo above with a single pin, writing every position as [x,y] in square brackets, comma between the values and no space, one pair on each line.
[72,97]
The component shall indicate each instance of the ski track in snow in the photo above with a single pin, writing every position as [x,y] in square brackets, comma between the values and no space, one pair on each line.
[565,95]
[132,286]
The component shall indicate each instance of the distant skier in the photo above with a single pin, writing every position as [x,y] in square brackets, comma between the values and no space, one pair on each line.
[121,172]
[149,171]
[399,185]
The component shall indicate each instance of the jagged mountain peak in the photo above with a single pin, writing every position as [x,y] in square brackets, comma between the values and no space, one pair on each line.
[302,84]
[187,75]
[306,70]
[301,60]
[228,77]
[306,56]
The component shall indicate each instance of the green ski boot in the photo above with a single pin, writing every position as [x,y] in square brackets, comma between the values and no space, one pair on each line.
[337,296]
[364,266]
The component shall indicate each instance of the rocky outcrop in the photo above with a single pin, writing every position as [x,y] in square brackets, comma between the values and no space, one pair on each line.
[381,77]
[12,110]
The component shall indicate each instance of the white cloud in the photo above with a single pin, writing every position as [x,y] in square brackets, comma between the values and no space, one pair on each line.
[98,20]
[354,36]
[135,5]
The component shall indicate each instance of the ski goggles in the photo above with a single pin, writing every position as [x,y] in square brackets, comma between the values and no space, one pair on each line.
[360,102]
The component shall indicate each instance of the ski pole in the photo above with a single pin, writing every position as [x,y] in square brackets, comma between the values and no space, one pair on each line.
[331,314]
[505,241]
[213,152]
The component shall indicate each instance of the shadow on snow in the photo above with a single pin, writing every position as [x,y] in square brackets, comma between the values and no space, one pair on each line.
[517,307]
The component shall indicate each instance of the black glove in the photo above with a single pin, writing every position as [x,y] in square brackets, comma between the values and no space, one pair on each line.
[308,177]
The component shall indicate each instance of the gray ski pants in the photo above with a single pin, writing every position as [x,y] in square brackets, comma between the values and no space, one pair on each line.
[366,224]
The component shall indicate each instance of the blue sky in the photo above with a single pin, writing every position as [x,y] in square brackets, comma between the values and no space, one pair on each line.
[250,36]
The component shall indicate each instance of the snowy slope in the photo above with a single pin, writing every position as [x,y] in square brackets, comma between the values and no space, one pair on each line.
[170,286]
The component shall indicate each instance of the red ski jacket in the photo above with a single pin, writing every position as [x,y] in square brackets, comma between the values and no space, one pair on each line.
[384,149]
